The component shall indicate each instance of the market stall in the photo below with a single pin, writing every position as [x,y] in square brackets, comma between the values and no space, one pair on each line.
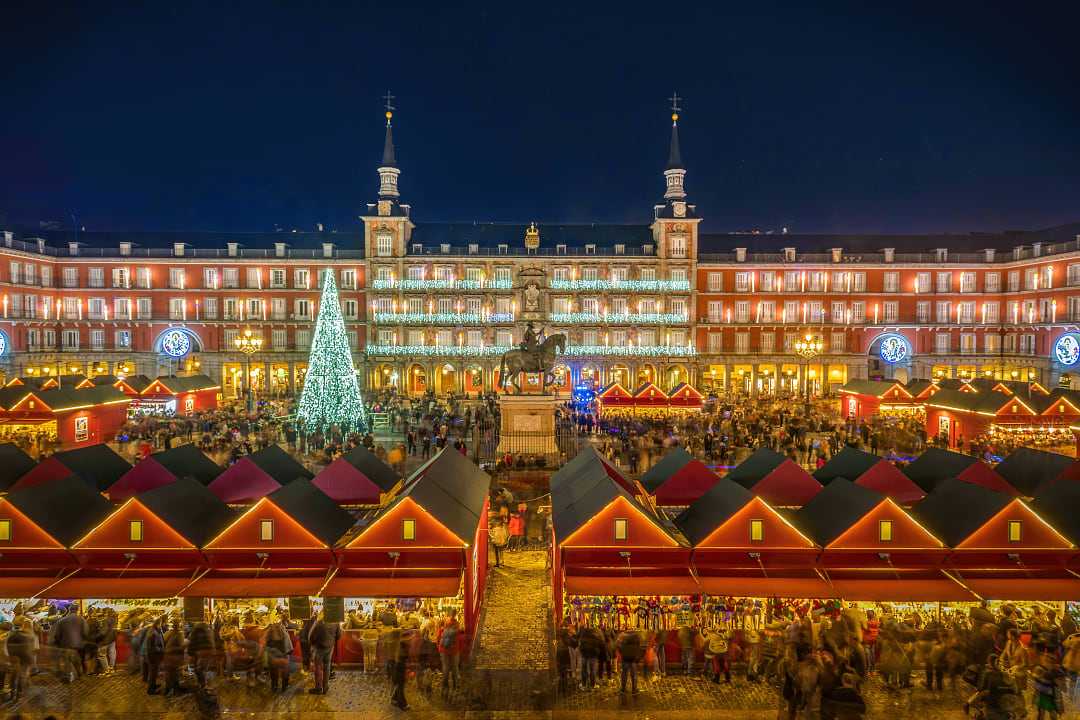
[1029,470]
[257,475]
[649,397]
[613,397]
[358,478]
[935,466]
[870,471]
[775,478]
[958,417]
[75,417]
[99,465]
[177,395]
[589,456]
[427,548]
[1002,549]
[863,399]
[608,544]
[678,479]
[684,396]
[14,463]
[162,468]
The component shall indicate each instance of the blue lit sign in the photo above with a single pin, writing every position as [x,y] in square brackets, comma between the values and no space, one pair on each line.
[893,348]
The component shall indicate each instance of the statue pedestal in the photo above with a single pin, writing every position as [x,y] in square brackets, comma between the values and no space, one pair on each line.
[527,426]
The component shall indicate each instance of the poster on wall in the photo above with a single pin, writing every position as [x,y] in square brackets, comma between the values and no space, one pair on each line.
[82,429]
[943,426]
[189,404]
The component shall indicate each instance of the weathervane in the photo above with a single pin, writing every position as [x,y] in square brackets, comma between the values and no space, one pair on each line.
[675,108]
[389,100]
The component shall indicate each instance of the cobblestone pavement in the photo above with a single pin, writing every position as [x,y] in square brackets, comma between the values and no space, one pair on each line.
[516,626]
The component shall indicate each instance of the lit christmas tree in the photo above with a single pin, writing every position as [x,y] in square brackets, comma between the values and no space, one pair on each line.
[331,395]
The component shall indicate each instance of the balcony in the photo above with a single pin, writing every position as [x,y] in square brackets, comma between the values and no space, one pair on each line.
[437,350]
[625,285]
[442,318]
[584,318]
[631,350]
[409,284]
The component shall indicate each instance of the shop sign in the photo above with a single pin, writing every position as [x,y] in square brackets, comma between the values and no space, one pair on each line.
[189,404]
[176,343]
[82,429]
[334,609]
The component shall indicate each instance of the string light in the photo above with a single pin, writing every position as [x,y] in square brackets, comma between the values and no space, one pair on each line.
[620,318]
[414,284]
[638,285]
[331,395]
[442,318]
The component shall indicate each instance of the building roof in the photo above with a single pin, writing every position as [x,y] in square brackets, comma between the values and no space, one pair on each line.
[686,485]
[675,161]
[588,455]
[188,461]
[935,466]
[66,509]
[760,463]
[849,463]
[886,478]
[313,509]
[452,489]
[279,465]
[97,464]
[184,383]
[918,385]
[215,242]
[14,463]
[1028,470]
[977,402]
[713,509]
[956,509]
[871,388]
[372,468]
[1057,502]
[836,508]
[388,159]
[490,235]
[138,383]
[659,473]
[68,398]
[190,509]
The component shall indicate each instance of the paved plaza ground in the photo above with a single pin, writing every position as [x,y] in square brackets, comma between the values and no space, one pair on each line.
[510,678]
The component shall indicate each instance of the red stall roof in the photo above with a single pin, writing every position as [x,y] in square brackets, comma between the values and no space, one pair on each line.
[1023,589]
[614,394]
[775,478]
[649,394]
[14,463]
[684,395]
[165,467]
[357,478]
[97,464]
[886,478]
[177,385]
[375,587]
[257,475]
[804,587]
[678,479]
[935,466]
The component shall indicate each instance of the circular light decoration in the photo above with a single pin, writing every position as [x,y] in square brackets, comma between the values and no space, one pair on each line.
[1067,350]
[4,344]
[176,343]
[893,348]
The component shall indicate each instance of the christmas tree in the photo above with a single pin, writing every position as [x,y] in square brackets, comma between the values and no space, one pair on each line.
[331,395]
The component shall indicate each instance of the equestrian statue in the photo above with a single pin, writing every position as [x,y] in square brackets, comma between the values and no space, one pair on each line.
[535,355]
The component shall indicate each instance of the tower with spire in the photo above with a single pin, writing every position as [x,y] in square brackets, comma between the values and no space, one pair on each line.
[675,173]
[675,220]
[387,227]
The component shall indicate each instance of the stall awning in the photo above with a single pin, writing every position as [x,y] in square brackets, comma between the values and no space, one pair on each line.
[1025,588]
[261,587]
[767,587]
[906,590]
[116,587]
[375,587]
[15,587]
[598,585]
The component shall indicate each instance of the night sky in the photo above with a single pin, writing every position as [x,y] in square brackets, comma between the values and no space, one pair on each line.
[173,116]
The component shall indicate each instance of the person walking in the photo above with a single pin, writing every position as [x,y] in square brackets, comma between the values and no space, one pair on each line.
[201,650]
[278,649]
[72,633]
[397,675]
[321,640]
[175,646]
[451,641]
[154,647]
[629,645]
[499,538]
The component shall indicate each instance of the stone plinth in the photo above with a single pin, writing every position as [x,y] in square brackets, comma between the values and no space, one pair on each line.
[527,425]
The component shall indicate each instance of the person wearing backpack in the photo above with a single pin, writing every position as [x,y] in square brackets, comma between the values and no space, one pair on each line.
[451,639]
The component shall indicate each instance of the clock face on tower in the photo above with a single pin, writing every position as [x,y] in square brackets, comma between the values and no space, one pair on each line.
[678,208]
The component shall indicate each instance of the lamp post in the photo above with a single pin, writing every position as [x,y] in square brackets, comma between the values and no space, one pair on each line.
[248,344]
[808,347]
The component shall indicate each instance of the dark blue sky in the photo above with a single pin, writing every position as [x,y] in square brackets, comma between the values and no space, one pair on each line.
[938,116]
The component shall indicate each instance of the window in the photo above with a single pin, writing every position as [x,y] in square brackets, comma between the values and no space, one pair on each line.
[860,281]
[621,529]
[384,245]
[96,277]
[944,309]
[414,337]
[768,342]
[266,531]
[816,281]
[70,339]
[892,282]
[123,339]
[14,272]
[503,277]
[303,308]
[768,281]
[590,274]
[279,339]
[301,278]
[991,344]
[922,311]
[143,278]
[143,308]
[967,312]
[95,308]
[5,531]
[716,281]
[767,311]
[967,282]
[942,343]
[648,274]
[885,531]
[71,277]
[348,279]
[1014,281]
[757,531]
[791,281]
[176,278]
[791,311]
[968,343]
[46,277]
[135,531]
[858,311]
[742,282]
[742,342]
[562,274]
[677,274]
[176,308]
[1031,279]
[254,278]
[716,342]
[992,281]
[505,338]
[944,282]
[836,343]
[210,308]
[303,339]
[678,246]
[408,529]
[742,311]
[922,282]
[277,277]
[715,311]
[120,277]
[817,313]
[349,309]
[1016,531]
[836,315]
[97,339]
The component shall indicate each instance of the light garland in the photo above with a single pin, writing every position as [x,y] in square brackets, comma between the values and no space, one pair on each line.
[443,318]
[619,318]
[632,350]
[331,394]
[636,285]
[438,350]
[408,284]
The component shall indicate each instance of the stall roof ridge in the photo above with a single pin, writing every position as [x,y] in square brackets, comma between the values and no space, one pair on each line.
[662,471]
[189,508]
[956,509]
[313,509]
[713,509]
[452,489]
[836,509]
[66,508]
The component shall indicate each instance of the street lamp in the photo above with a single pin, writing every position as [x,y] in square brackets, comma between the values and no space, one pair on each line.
[808,347]
[249,344]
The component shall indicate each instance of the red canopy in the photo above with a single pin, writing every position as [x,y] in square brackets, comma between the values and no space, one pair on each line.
[686,485]
[243,483]
[683,395]
[147,474]
[886,478]
[980,473]
[346,484]
[788,484]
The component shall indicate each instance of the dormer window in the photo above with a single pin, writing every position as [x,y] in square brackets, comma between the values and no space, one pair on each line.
[135,531]
[620,249]
[590,249]
[408,529]
[418,249]
[647,248]
[504,249]
[560,249]
[622,530]
[474,248]
[444,248]
[266,531]
[5,531]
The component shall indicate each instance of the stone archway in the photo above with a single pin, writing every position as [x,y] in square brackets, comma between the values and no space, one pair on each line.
[416,380]
[446,378]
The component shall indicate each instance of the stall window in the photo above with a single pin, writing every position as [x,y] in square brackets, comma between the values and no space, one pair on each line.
[1015,531]
[266,530]
[5,531]
[408,529]
[621,530]
[885,531]
[135,531]
[757,531]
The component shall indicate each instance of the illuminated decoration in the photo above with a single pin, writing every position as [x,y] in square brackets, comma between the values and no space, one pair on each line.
[1067,350]
[443,318]
[5,345]
[331,395]
[442,284]
[175,342]
[632,350]
[439,350]
[893,348]
[620,318]
[635,285]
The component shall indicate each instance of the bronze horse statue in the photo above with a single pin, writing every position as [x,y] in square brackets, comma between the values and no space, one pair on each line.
[541,360]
